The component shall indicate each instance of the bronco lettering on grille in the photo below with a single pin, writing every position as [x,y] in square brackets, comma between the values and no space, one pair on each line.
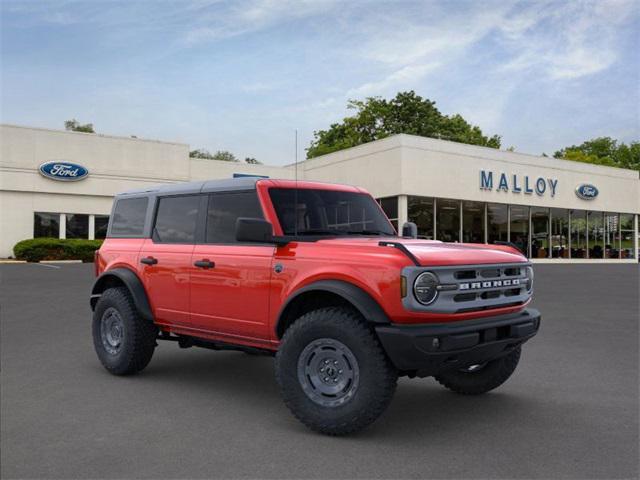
[489,284]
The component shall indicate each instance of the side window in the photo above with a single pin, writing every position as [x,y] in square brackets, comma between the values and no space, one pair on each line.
[176,219]
[224,209]
[128,217]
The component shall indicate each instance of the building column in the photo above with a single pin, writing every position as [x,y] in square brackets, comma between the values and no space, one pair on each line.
[92,227]
[635,236]
[460,232]
[403,212]
[63,225]
[486,223]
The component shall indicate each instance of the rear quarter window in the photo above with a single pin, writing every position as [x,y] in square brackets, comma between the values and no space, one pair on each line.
[176,219]
[128,217]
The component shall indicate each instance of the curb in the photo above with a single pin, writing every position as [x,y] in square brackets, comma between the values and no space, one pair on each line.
[60,261]
[8,261]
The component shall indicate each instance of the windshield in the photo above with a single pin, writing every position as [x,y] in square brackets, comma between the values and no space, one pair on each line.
[328,212]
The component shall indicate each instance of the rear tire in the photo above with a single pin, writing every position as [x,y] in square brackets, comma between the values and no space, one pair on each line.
[332,372]
[123,340]
[482,379]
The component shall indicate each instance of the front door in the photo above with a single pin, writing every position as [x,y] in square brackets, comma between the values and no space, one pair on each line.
[230,281]
[165,259]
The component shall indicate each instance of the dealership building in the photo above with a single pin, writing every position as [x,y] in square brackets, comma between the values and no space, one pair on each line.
[61,184]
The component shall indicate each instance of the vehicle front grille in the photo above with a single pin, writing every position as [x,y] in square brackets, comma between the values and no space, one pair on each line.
[472,287]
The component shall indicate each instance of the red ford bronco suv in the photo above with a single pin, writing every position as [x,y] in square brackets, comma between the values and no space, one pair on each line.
[315,275]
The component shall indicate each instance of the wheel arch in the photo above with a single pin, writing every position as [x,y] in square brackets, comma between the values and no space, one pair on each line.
[329,293]
[123,277]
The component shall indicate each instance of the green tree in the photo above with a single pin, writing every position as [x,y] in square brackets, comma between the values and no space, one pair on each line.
[74,126]
[222,155]
[604,151]
[201,153]
[377,118]
[252,161]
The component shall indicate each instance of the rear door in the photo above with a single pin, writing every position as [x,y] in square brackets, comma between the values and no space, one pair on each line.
[230,281]
[165,259]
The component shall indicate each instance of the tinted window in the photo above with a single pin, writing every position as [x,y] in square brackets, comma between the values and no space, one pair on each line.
[224,209]
[46,225]
[319,212]
[176,219]
[77,226]
[100,226]
[128,217]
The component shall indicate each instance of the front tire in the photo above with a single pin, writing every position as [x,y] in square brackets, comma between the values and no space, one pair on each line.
[123,340]
[480,379]
[333,373]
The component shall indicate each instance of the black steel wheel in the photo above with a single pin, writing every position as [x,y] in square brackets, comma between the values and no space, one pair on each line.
[332,372]
[123,340]
[481,378]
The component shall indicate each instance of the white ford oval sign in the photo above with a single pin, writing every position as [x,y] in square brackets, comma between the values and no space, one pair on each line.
[63,171]
[586,191]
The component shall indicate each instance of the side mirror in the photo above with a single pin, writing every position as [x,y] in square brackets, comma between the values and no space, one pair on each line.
[253,230]
[410,230]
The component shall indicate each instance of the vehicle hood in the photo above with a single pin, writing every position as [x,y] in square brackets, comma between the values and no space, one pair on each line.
[433,253]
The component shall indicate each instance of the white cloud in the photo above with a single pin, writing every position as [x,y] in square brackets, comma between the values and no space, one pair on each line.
[564,41]
[400,79]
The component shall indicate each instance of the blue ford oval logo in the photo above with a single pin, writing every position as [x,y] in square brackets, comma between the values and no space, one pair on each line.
[63,171]
[586,191]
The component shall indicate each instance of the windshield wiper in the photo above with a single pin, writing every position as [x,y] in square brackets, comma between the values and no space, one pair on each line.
[371,232]
[319,231]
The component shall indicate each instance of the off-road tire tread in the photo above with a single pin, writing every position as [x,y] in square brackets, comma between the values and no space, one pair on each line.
[494,374]
[343,318]
[143,332]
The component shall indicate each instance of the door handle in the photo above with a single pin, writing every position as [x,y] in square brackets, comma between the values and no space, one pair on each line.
[149,260]
[205,263]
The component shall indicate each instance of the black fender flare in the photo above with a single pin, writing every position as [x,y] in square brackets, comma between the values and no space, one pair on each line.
[133,284]
[370,309]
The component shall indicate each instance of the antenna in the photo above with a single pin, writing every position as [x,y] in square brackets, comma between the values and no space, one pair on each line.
[295,191]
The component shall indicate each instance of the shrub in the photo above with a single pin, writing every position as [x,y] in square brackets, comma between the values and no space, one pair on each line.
[36,249]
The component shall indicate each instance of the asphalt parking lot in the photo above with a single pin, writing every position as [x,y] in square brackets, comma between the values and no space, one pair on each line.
[570,411]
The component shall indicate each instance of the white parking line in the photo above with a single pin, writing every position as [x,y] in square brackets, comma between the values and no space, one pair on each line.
[47,265]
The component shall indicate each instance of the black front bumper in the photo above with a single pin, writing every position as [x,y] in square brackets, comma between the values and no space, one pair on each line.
[426,350]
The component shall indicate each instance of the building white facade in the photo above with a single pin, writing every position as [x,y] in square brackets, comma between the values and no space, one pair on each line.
[452,191]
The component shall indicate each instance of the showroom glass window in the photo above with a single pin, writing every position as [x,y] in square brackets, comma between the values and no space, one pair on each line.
[77,225]
[420,212]
[100,226]
[473,222]
[497,222]
[539,232]
[596,234]
[46,225]
[176,219]
[224,210]
[559,233]
[390,207]
[626,235]
[611,235]
[447,220]
[578,234]
[520,227]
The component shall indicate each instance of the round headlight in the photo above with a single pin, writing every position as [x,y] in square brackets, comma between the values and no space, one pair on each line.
[425,288]
[529,273]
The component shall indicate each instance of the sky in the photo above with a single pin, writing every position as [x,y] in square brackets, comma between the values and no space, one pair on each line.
[244,75]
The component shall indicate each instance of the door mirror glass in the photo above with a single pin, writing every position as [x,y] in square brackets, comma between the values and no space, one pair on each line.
[253,230]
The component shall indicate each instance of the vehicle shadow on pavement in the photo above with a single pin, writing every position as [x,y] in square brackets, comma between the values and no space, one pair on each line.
[420,407]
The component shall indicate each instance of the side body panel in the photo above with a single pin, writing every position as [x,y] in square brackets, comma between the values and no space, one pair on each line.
[231,299]
[167,281]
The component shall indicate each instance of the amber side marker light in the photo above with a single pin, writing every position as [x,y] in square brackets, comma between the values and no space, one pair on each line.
[403,286]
